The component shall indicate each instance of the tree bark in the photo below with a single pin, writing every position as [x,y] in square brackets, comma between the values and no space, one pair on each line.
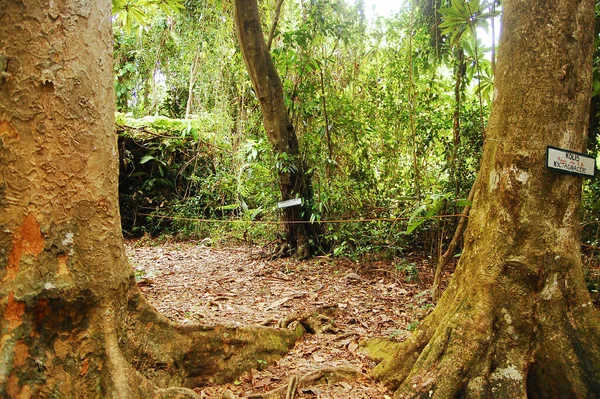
[72,321]
[293,180]
[516,320]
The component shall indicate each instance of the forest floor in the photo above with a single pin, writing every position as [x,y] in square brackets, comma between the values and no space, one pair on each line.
[240,285]
[189,282]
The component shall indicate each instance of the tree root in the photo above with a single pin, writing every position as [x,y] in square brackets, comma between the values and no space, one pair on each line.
[281,251]
[70,347]
[301,251]
[296,383]
[78,347]
[195,355]
[313,321]
[379,349]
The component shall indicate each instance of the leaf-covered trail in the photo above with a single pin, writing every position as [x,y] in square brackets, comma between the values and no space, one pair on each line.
[235,285]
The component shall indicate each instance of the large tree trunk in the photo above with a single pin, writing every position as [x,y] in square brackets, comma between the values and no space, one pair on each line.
[72,322]
[293,180]
[516,320]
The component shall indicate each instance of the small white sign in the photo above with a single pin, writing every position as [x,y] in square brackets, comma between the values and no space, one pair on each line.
[288,203]
[570,162]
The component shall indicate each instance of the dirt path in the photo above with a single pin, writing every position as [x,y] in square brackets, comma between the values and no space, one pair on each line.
[237,286]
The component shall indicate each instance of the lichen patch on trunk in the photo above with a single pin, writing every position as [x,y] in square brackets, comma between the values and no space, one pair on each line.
[27,240]
[14,311]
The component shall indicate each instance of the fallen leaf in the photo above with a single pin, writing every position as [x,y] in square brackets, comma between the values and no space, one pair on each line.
[318,358]
[352,347]
[261,383]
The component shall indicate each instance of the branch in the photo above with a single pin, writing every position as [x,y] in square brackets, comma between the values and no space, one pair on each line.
[445,258]
[274,24]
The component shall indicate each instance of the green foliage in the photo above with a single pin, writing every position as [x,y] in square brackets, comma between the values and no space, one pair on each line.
[591,213]
[179,61]
[352,88]
[464,16]
[132,12]
[412,326]
[186,178]
[592,279]
[426,210]
[347,86]
[217,163]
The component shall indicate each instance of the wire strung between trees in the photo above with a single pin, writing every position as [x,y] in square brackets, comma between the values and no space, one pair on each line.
[593,248]
[201,220]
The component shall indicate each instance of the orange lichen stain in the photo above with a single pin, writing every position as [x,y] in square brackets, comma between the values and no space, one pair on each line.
[27,240]
[84,367]
[15,390]
[6,129]
[13,386]
[62,265]
[14,311]
[21,352]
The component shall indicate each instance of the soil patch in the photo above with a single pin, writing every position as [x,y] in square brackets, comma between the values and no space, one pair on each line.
[190,282]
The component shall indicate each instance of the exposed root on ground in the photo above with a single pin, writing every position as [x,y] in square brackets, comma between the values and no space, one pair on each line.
[297,383]
[281,251]
[313,321]
[77,347]
[196,355]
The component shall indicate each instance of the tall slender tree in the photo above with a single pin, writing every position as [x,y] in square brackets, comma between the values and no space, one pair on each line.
[516,320]
[293,178]
[72,322]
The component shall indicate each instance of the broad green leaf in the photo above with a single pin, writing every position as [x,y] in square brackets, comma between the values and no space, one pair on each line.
[146,158]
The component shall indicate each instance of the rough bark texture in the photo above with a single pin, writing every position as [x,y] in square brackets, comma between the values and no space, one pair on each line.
[293,179]
[72,322]
[516,320]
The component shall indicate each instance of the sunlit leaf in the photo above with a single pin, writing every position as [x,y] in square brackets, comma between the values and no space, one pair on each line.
[146,158]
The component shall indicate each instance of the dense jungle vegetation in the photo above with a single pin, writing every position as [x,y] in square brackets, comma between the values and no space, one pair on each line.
[390,115]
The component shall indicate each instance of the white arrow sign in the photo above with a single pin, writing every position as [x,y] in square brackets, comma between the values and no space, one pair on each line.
[288,203]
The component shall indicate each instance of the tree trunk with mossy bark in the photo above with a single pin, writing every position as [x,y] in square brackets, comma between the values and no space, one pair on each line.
[72,321]
[293,178]
[516,320]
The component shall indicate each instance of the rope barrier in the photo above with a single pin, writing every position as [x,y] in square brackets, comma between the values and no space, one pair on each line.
[593,248]
[368,220]
[309,222]
[201,220]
